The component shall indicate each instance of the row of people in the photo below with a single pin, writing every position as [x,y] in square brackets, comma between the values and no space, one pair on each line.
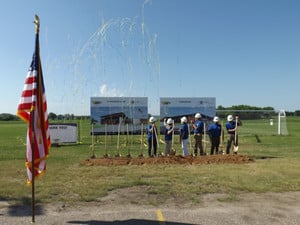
[214,131]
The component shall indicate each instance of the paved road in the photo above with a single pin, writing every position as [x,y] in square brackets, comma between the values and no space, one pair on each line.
[254,209]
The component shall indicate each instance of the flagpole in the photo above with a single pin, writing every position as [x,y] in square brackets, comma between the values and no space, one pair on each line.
[37,30]
[32,168]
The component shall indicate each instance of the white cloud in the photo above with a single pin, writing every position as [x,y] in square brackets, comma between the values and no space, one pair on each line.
[106,91]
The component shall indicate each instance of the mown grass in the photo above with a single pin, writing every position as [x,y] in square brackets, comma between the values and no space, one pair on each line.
[275,169]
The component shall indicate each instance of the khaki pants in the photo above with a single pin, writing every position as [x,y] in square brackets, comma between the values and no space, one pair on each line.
[229,142]
[184,145]
[168,147]
[198,144]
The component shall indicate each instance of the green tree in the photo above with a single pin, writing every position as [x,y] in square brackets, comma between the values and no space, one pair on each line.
[52,116]
[8,117]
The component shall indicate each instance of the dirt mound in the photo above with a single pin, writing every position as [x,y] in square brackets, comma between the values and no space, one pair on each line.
[190,160]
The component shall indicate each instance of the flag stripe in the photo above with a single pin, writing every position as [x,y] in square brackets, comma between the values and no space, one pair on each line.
[32,109]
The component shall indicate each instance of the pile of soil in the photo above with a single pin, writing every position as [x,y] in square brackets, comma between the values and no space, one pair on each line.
[189,160]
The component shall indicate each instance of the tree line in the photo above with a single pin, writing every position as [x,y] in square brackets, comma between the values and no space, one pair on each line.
[244,111]
[51,116]
[251,112]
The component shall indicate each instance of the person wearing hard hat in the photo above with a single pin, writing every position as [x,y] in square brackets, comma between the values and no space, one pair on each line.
[214,131]
[184,135]
[168,135]
[231,127]
[152,137]
[198,133]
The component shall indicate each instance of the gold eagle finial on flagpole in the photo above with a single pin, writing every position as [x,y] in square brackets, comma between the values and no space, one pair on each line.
[37,24]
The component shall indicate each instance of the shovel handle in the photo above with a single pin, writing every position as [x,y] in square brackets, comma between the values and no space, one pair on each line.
[235,134]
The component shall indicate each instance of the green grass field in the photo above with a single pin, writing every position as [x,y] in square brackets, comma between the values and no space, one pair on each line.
[276,167]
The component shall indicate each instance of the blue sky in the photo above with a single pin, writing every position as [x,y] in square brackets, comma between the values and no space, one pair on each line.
[239,51]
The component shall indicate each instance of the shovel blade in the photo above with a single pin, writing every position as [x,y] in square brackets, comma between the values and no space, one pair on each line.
[235,148]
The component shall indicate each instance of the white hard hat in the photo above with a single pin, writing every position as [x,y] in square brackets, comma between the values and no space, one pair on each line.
[229,117]
[169,121]
[183,119]
[197,115]
[216,119]
[152,119]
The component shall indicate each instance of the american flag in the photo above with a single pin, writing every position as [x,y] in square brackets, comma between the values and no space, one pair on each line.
[32,109]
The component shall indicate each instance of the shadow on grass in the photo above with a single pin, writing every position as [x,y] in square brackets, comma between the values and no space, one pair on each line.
[126,222]
[265,157]
[24,208]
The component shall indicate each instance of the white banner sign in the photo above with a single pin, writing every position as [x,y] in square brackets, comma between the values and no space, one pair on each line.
[63,133]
